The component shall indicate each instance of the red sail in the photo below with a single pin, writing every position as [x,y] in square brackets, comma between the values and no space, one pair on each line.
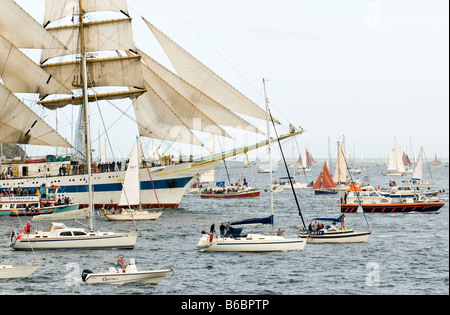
[318,183]
[327,179]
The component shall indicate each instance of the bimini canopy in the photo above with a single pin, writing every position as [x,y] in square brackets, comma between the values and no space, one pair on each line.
[256,221]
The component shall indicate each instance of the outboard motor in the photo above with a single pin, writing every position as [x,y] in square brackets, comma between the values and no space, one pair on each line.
[85,273]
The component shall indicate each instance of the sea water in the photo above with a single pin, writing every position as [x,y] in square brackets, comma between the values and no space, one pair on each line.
[406,253]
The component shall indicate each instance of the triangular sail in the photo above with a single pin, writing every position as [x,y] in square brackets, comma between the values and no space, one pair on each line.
[16,25]
[201,77]
[19,124]
[417,176]
[327,179]
[131,185]
[340,172]
[395,162]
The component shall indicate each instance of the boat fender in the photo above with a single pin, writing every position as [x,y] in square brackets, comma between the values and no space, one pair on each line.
[211,238]
[19,236]
[85,273]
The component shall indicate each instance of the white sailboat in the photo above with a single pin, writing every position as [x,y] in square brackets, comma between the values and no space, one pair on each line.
[340,172]
[131,195]
[238,241]
[417,176]
[396,166]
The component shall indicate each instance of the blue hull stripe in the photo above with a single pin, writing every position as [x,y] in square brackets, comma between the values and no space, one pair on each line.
[145,185]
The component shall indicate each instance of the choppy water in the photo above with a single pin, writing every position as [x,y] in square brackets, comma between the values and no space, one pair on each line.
[406,253]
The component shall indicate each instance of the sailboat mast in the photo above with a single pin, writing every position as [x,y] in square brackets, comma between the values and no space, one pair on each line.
[86,114]
[270,156]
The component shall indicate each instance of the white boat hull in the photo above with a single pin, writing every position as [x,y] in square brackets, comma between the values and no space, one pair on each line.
[10,272]
[119,278]
[251,243]
[136,216]
[336,237]
[98,241]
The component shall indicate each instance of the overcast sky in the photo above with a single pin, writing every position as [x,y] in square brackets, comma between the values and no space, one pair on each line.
[366,70]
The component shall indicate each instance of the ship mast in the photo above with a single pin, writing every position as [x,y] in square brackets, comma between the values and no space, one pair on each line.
[270,157]
[86,114]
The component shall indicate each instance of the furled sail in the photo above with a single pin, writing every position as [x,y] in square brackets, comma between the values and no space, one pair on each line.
[201,77]
[19,124]
[16,25]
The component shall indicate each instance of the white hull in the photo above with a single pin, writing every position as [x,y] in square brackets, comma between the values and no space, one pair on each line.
[136,216]
[119,278]
[336,237]
[296,186]
[251,243]
[171,183]
[61,237]
[10,272]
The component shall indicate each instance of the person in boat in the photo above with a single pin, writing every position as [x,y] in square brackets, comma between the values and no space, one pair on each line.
[27,228]
[227,229]
[121,263]
[245,182]
[280,232]
[222,230]
[212,230]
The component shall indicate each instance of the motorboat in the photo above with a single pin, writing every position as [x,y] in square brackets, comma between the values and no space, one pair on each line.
[239,241]
[373,202]
[409,191]
[128,275]
[132,215]
[230,192]
[331,233]
[11,272]
[61,237]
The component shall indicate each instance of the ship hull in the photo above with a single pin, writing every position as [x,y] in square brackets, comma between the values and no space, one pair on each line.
[164,189]
[394,207]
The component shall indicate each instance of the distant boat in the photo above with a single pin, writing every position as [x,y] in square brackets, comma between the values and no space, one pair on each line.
[396,166]
[11,272]
[324,183]
[230,192]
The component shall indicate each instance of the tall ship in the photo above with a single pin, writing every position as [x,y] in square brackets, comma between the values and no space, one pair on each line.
[88,57]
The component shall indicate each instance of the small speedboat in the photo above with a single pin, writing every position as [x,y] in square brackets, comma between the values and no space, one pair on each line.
[128,275]
[11,272]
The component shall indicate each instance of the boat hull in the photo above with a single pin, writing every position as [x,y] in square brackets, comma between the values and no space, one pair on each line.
[10,272]
[250,244]
[336,237]
[325,192]
[249,194]
[119,278]
[109,241]
[135,217]
[394,207]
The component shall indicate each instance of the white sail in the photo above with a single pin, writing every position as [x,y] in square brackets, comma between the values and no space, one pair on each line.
[395,162]
[131,189]
[16,25]
[217,112]
[116,71]
[340,172]
[107,35]
[210,176]
[418,171]
[20,74]
[198,75]
[191,116]
[58,9]
[158,120]
[19,124]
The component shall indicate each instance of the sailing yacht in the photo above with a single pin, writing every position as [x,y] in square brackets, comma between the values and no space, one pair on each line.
[89,55]
[324,183]
[131,195]
[238,241]
[396,166]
